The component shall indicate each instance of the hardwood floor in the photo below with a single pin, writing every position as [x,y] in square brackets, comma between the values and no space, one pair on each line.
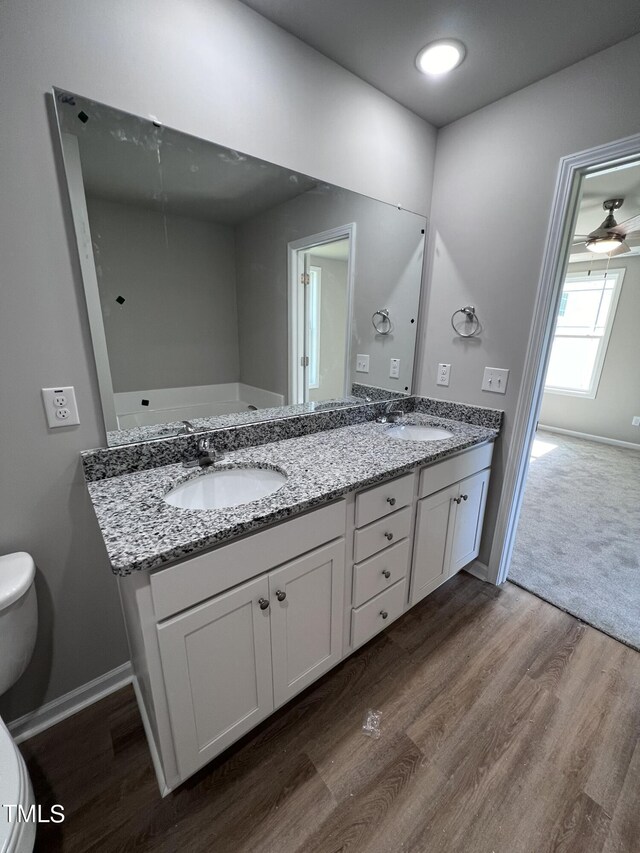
[507,727]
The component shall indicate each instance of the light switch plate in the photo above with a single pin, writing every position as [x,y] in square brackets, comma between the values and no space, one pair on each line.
[495,379]
[394,368]
[362,363]
[60,406]
[635,420]
[444,371]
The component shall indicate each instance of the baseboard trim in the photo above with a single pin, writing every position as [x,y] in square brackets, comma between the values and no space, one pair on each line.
[629,445]
[478,570]
[65,706]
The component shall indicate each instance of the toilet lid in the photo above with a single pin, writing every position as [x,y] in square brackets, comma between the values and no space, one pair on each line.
[13,787]
[17,572]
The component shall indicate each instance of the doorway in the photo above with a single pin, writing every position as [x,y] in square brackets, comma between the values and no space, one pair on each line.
[571,521]
[320,288]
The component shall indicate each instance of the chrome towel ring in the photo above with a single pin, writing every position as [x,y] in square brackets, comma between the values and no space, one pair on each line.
[470,318]
[383,325]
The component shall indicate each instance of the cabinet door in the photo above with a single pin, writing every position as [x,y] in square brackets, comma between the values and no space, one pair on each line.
[216,661]
[467,524]
[434,518]
[307,609]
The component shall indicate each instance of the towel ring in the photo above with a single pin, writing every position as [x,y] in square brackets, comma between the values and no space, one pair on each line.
[383,326]
[470,317]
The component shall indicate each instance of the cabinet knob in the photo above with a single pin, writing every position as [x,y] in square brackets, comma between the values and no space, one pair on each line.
[464,497]
[384,614]
[280,595]
[264,603]
[389,536]
[391,501]
[386,573]
[457,500]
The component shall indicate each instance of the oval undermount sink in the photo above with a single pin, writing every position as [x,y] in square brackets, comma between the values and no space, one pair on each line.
[418,432]
[225,488]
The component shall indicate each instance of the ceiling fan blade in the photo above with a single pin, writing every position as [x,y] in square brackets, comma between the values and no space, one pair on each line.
[628,225]
[622,249]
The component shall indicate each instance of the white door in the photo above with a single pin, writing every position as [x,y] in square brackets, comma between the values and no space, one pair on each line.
[467,527]
[307,606]
[433,522]
[216,661]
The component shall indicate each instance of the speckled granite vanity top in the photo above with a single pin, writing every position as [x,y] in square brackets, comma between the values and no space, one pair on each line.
[141,531]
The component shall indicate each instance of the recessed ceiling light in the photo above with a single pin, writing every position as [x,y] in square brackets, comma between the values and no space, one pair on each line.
[440,56]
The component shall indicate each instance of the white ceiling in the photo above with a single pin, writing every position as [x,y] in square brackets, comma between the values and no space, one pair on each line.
[510,43]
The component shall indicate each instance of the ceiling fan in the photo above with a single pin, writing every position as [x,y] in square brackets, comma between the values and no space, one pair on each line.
[610,238]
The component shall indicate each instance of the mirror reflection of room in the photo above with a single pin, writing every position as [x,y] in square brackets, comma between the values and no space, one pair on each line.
[219,284]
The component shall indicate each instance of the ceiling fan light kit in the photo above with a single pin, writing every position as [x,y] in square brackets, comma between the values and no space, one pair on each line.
[610,237]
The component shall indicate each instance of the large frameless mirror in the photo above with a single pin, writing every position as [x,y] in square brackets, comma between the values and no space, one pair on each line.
[223,289]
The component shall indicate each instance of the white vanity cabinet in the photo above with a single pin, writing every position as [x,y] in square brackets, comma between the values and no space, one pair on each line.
[449,520]
[230,661]
[221,639]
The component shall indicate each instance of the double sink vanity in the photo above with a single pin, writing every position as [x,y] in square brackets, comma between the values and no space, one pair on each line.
[263,515]
[244,581]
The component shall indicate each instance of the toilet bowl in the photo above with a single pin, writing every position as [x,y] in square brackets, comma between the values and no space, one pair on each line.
[18,626]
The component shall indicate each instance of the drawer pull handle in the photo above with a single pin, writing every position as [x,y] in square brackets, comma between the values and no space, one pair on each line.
[389,536]
[391,501]
[386,573]
[280,595]
[464,497]
[264,603]
[384,614]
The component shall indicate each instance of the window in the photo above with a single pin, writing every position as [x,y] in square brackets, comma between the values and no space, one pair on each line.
[314,326]
[585,317]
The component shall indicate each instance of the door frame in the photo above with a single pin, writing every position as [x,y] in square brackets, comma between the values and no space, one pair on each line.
[330,236]
[558,243]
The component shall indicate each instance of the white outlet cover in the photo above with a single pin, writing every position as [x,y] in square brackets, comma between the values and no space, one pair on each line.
[394,368]
[60,406]
[444,372]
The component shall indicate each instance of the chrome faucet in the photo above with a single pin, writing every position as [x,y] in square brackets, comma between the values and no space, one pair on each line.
[186,429]
[207,455]
[392,413]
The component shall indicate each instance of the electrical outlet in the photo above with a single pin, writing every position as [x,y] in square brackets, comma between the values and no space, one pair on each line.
[495,379]
[60,407]
[394,368]
[635,421]
[362,363]
[444,371]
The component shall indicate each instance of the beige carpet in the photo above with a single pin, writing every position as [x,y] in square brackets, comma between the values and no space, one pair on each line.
[578,539]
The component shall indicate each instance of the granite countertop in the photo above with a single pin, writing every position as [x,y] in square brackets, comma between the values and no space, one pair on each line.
[141,531]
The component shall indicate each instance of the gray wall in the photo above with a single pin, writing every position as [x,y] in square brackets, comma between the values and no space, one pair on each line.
[216,70]
[333,326]
[178,325]
[389,252]
[498,166]
[617,400]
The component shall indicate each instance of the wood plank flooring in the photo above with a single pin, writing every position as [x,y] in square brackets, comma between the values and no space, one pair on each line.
[508,726]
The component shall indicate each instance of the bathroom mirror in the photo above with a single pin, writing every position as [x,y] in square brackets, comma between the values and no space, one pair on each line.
[222,288]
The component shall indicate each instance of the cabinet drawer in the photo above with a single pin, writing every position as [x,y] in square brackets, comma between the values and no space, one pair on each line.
[383,500]
[184,584]
[370,577]
[443,474]
[381,534]
[368,620]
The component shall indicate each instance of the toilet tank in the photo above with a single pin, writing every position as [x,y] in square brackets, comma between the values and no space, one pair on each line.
[18,616]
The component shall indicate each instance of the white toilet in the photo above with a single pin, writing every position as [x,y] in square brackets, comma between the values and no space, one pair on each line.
[18,626]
